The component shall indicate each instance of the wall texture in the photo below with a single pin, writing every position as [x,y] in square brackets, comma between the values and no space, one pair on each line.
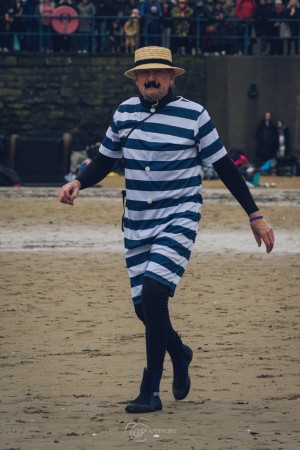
[43,96]
[236,115]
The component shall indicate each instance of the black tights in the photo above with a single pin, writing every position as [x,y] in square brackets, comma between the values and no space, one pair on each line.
[154,313]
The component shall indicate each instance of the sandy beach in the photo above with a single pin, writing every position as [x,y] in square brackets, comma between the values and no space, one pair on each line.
[72,350]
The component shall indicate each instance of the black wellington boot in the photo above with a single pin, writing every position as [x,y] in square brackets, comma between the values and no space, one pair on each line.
[181,356]
[148,399]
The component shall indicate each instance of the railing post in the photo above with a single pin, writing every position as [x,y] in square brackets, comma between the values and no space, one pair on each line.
[198,30]
[93,41]
[40,33]
[246,36]
[298,43]
[146,31]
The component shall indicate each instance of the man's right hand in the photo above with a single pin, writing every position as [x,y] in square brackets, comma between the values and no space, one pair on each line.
[69,192]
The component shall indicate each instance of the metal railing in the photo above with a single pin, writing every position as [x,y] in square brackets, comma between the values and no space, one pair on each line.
[106,35]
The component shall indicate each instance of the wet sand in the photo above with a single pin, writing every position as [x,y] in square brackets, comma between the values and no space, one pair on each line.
[72,351]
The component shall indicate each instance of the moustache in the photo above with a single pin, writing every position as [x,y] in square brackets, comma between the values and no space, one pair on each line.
[151,84]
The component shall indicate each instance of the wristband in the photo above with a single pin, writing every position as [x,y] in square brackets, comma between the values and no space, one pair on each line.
[255,218]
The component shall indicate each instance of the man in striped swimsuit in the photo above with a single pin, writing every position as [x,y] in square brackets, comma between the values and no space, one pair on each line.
[163,140]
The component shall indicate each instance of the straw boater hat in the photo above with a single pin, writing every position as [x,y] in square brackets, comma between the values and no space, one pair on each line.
[153,58]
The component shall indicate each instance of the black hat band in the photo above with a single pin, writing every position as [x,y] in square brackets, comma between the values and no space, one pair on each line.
[154,61]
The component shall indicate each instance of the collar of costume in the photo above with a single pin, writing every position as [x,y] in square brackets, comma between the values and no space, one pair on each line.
[157,105]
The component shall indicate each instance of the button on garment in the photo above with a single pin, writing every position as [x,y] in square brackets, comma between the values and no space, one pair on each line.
[149,201]
[147,168]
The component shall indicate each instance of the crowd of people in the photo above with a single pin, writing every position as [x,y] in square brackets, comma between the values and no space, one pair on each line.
[273,154]
[122,26]
[273,150]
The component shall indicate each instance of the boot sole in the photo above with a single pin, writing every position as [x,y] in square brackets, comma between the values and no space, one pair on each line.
[180,394]
[137,409]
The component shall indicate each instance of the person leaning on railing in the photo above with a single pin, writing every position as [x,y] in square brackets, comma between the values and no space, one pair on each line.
[132,31]
[293,14]
[245,10]
[230,27]
[45,10]
[87,11]
[276,41]
[182,14]
[12,25]
[4,28]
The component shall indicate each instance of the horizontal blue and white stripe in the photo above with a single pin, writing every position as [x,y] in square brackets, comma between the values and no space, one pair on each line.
[163,184]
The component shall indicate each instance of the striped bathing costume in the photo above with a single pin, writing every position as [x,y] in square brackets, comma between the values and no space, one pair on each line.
[162,158]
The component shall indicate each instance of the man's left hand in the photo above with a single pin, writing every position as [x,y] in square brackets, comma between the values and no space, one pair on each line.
[262,231]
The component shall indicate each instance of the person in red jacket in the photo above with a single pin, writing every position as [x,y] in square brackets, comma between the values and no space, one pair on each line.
[245,10]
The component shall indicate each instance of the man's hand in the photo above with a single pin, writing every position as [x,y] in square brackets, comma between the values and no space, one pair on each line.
[263,232]
[69,192]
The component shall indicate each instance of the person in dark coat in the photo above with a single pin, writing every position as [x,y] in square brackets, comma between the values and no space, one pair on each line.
[8,176]
[266,136]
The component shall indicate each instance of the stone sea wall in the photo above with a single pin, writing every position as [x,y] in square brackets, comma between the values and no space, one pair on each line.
[43,96]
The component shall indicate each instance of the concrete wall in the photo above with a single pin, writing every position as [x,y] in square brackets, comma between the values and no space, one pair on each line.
[46,96]
[42,96]
[235,114]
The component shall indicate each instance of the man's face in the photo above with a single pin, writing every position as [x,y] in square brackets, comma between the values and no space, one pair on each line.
[267,117]
[154,84]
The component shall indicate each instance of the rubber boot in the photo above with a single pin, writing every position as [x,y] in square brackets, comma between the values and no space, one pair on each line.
[148,400]
[181,356]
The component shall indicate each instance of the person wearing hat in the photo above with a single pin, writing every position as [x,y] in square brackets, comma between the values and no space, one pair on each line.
[132,31]
[182,15]
[162,139]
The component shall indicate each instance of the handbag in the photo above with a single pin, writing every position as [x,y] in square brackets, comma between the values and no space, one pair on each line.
[16,44]
[284,31]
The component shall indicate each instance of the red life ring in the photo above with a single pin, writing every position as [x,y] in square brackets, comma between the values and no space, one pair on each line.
[65,20]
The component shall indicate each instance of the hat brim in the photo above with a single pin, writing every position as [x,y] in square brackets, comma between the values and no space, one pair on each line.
[131,73]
